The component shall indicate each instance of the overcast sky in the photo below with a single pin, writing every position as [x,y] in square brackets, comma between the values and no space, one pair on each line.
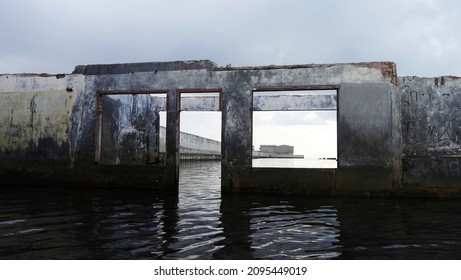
[422,36]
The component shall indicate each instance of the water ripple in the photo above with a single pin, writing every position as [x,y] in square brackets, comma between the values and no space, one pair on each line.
[203,224]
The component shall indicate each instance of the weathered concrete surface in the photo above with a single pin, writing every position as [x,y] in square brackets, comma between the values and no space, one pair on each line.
[35,122]
[129,132]
[205,103]
[431,135]
[359,86]
[294,102]
[99,126]
[313,182]
[365,138]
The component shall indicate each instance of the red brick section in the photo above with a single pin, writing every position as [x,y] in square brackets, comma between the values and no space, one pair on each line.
[387,68]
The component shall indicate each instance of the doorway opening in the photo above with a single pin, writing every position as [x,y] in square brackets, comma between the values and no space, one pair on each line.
[200,145]
[200,125]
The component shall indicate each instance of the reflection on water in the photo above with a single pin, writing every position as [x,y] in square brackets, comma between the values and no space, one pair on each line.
[300,234]
[202,224]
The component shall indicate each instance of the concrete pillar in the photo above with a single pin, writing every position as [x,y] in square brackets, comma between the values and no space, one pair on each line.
[365,138]
[172,141]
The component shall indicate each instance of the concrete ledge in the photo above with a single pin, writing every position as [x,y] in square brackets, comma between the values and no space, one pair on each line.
[282,181]
[436,172]
[430,191]
[99,176]
[365,181]
[126,68]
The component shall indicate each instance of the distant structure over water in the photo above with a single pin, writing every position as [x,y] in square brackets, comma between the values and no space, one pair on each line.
[193,147]
[274,151]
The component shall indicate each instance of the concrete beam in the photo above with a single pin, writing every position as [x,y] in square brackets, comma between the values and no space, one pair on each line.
[281,102]
[200,103]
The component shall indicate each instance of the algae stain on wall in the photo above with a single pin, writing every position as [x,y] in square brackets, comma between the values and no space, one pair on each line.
[32,122]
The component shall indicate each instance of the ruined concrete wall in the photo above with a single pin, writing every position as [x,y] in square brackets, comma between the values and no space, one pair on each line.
[48,126]
[36,123]
[130,129]
[431,134]
[369,126]
[141,78]
[37,119]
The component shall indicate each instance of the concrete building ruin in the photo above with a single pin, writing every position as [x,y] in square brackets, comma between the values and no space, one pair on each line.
[397,136]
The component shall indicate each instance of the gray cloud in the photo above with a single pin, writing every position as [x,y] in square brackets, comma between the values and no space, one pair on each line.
[54,36]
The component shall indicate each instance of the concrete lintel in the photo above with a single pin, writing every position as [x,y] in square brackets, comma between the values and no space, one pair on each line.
[202,103]
[294,102]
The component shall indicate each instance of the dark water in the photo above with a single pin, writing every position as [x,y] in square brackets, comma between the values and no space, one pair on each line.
[200,224]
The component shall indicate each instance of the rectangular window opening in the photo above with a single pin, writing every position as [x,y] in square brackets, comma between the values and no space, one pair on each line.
[295,128]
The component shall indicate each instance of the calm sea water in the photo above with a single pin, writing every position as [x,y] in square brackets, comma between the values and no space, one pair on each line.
[294,163]
[203,224]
